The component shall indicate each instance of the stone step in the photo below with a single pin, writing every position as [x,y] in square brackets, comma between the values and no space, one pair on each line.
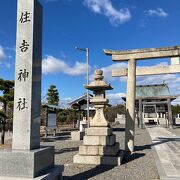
[99,140]
[98,160]
[98,131]
[99,150]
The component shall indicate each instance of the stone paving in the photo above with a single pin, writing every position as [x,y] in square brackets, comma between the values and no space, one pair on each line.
[166,147]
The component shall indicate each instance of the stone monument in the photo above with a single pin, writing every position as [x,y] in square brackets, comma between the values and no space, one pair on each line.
[121,119]
[27,160]
[83,125]
[99,144]
[78,135]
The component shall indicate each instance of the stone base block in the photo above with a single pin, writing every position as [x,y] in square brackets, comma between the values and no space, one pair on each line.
[26,164]
[120,121]
[98,131]
[98,160]
[77,135]
[99,150]
[53,174]
[99,140]
[162,121]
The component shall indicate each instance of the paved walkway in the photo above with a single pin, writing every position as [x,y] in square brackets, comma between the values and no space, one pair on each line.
[166,146]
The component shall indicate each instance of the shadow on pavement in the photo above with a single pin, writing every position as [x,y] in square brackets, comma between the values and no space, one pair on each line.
[66,150]
[141,148]
[130,157]
[58,137]
[118,129]
[90,173]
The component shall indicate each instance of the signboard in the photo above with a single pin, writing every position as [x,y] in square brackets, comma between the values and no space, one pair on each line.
[150,111]
[51,124]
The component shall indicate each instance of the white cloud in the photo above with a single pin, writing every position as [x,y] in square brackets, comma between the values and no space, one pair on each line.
[64,103]
[8,65]
[147,79]
[107,71]
[2,53]
[176,101]
[173,80]
[106,8]
[156,12]
[52,65]
[116,98]
[63,54]
[11,48]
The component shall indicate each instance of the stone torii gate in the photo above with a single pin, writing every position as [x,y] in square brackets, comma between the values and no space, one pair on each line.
[141,54]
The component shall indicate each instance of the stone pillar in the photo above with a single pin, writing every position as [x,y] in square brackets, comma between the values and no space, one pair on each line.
[140,113]
[28,160]
[157,115]
[169,113]
[27,96]
[46,121]
[130,106]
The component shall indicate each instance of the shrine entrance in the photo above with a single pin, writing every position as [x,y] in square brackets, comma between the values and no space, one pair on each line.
[141,54]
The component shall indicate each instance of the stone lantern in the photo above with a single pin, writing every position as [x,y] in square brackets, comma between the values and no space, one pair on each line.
[99,100]
[99,144]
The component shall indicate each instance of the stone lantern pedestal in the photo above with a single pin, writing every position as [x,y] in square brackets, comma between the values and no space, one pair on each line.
[99,144]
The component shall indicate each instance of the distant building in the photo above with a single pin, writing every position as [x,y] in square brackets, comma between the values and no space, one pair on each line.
[153,103]
[47,109]
[80,104]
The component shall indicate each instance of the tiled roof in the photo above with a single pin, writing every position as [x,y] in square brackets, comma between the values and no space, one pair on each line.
[154,90]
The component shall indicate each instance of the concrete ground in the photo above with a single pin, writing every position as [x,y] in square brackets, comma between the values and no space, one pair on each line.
[175,130]
[139,166]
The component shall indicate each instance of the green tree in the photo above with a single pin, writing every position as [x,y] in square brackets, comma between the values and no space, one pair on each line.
[175,110]
[7,88]
[111,112]
[66,116]
[53,95]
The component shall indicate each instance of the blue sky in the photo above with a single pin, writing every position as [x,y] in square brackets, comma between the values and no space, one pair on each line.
[94,24]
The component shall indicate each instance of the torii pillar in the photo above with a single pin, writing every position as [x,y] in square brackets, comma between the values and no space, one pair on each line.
[130,106]
[131,56]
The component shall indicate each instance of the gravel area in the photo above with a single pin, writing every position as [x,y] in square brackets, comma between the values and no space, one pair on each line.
[139,166]
[7,145]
